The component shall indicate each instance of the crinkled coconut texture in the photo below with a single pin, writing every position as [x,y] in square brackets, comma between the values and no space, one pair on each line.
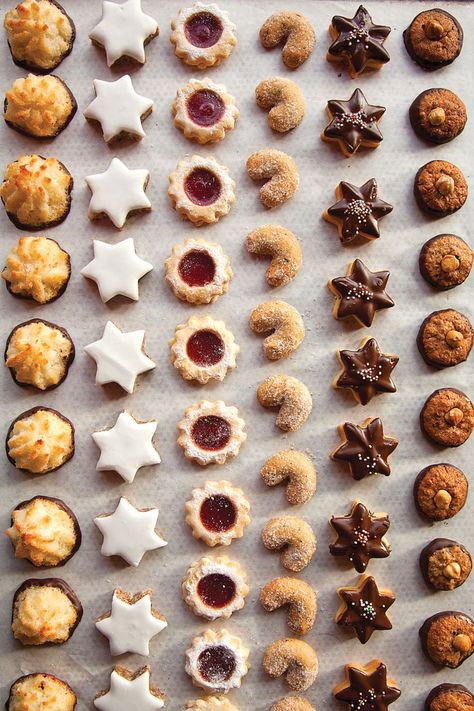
[40,441]
[41,692]
[37,268]
[43,613]
[39,106]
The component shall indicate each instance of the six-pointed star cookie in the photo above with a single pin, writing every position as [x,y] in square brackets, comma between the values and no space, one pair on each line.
[364,607]
[131,623]
[118,108]
[357,211]
[119,357]
[129,532]
[116,269]
[127,446]
[353,123]
[361,293]
[118,191]
[365,448]
[360,536]
[366,371]
[123,30]
[366,686]
[358,42]
[129,691]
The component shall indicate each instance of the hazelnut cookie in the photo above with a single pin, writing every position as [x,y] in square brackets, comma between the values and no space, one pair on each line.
[438,115]
[445,564]
[433,39]
[447,417]
[447,638]
[440,491]
[445,261]
[445,338]
[440,188]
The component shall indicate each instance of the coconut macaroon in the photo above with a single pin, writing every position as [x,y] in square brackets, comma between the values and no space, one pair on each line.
[39,106]
[40,34]
[36,192]
[44,531]
[40,440]
[50,692]
[45,610]
[39,353]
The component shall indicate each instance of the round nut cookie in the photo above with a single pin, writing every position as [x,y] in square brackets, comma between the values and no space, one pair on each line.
[445,564]
[440,491]
[440,188]
[445,338]
[438,115]
[447,417]
[433,39]
[445,261]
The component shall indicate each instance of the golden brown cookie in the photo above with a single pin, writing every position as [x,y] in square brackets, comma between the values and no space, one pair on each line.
[447,417]
[203,35]
[292,30]
[217,512]
[297,468]
[211,432]
[447,638]
[294,538]
[284,324]
[37,268]
[449,696]
[300,598]
[440,188]
[284,249]
[284,101]
[294,659]
[445,564]
[433,39]
[440,491]
[291,396]
[52,693]
[215,588]
[445,338]
[280,173]
[198,271]
[438,115]
[204,111]
[445,261]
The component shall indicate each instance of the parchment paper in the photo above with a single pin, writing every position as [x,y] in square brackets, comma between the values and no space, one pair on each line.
[85,660]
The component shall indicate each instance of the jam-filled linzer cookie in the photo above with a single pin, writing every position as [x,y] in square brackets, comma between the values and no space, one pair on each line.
[204,111]
[358,42]
[357,211]
[44,531]
[353,124]
[284,101]
[445,564]
[360,536]
[37,268]
[447,417]
[360,294]
[445,338]
[433,39]
[447,638]
[55,694]
[294,659]
[217,661]
[203,35]
[39,106]
[211,432]
[440,188]
[445,261]
[367,685]
[438,115]
[440,491]
[365,448]
[366,372]
[40,34]
[130,690]
[364,608]
[40,440]
[217,512]
[294,32]
[449,696]
[198,271]
[215,588]
[280,173]
[36,192]
[124,30]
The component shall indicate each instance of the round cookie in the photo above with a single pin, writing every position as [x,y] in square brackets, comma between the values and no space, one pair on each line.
[433,39]
[447,417]
[447,638]
[449,696]
[54,694]
[445,564]
[445,338]
[445,261]
[438,115]
[440,188]
[440,491]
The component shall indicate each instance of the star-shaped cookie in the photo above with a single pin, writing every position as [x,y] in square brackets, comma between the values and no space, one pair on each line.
[123,30]
[360,294]
[126,447]
[366,371]
[131,623]
[354,123]
[118,108]
[116,269]
[367,687]
[364,608]
[358,42]
[357,211]
[360,536]
[129,532]
[120,357]
[117,192]
[365,448]
[129,691]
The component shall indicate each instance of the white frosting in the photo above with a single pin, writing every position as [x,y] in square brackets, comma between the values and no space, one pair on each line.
[129,695]
[127,446]
[123,30]
[118,191]
[118,108]
[119,356]
[129,532]
[116,269]
[130,626]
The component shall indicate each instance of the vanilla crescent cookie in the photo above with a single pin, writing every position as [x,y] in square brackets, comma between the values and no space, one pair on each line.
[292,703]
[291,396]
[284,249]
[284,101]
[295,466]
[293,658]
[217,512]
[203,35]
[211,703]
[217,661]
[215,588]
[204,111]
[201,189]
[294,31]
[297,595]
[280,173]
[284,325]
[294,537]
[203,349]
[198,271]
[211,432]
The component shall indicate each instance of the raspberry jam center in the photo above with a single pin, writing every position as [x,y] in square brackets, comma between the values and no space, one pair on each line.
[211,432]
[216,590]
[205,107]
[203,29]
[197,268]
[216,664]
[202,186]
[205,348]
[218,513]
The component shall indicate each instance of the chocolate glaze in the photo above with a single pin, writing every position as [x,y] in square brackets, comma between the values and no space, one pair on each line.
[53,583]
[32,411]
[60,291]
[425,64]
[365,449]
[28,676]
[361,293]
[445,688]
[435,545]
[367,371]
[354,122]
[365,608]
[358,210]
[360,536]
[72,113]
[425,628]
[364,686]
[359,40]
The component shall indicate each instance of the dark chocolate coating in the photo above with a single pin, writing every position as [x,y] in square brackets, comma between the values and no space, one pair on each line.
[53,583]
[419,481]
[354,122]
[424,207]
[366,448]
[61,290]
[424,64]
[355,366]
[32,411]
[443,688]
[419,342]
[358,210]
[425,628]
[422,427]
[27,676]
[72,113]
[435,545]
[365,608]
[360,536]
[359,40]
[424,273]
[413,114]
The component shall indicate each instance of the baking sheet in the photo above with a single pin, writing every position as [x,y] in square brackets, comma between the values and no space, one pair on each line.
[85,661]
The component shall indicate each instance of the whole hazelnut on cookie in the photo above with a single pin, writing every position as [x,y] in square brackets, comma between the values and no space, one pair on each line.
[445,261]
[445,338]
[440,491]
[438,115]
[440,188]
[447,638]
[449,696]
[433,39]
[447,417]
[445,564]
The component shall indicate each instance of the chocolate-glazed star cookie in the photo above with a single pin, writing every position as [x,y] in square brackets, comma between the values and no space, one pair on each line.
[366,371]
[366,687]
[360,536]
[358,42]
[360,294]
[364,608]
[354,123]
[365,448]
[357,211]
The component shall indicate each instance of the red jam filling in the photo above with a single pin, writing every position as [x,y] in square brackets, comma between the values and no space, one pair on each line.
[203,29]
[211,432]
[216,590]
[205,107]
[197,268]
[205,348]
[216,664]
[202,186]
[218,513]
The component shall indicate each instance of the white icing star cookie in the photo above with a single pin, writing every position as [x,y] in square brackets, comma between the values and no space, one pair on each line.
[127,446]
[118,191]
[129,532]
[124,30]
[116,269]
[120,357]
[119,109]
[131,623]
[130,691]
